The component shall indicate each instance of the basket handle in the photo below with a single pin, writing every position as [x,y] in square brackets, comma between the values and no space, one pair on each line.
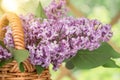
[17,29]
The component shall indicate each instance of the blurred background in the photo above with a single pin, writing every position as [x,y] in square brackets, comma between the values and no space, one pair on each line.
[107,11]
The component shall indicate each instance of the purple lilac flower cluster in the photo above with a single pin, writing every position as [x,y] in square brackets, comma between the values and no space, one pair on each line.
[4,54]
[56,9]
[58,38]
[62,39]
[53,41]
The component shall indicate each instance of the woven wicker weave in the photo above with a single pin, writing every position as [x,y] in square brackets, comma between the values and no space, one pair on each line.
[11,70]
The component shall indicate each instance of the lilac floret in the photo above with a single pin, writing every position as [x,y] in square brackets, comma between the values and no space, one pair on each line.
[4,54]
[8,40]
[56,9]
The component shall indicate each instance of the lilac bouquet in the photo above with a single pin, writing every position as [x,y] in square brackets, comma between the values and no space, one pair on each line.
[58,38]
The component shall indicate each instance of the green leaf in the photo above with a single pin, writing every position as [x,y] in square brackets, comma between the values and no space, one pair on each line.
[20,55]
[2,44]
[39,69]
[3,62]
[69,65]
[21,67]
[40,12]
[86,59]
[114,54]
[111,64]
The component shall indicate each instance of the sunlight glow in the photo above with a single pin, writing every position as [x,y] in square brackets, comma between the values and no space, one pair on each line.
[9,5]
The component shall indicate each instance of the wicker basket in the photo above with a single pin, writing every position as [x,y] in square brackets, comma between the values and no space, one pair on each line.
[11,70]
